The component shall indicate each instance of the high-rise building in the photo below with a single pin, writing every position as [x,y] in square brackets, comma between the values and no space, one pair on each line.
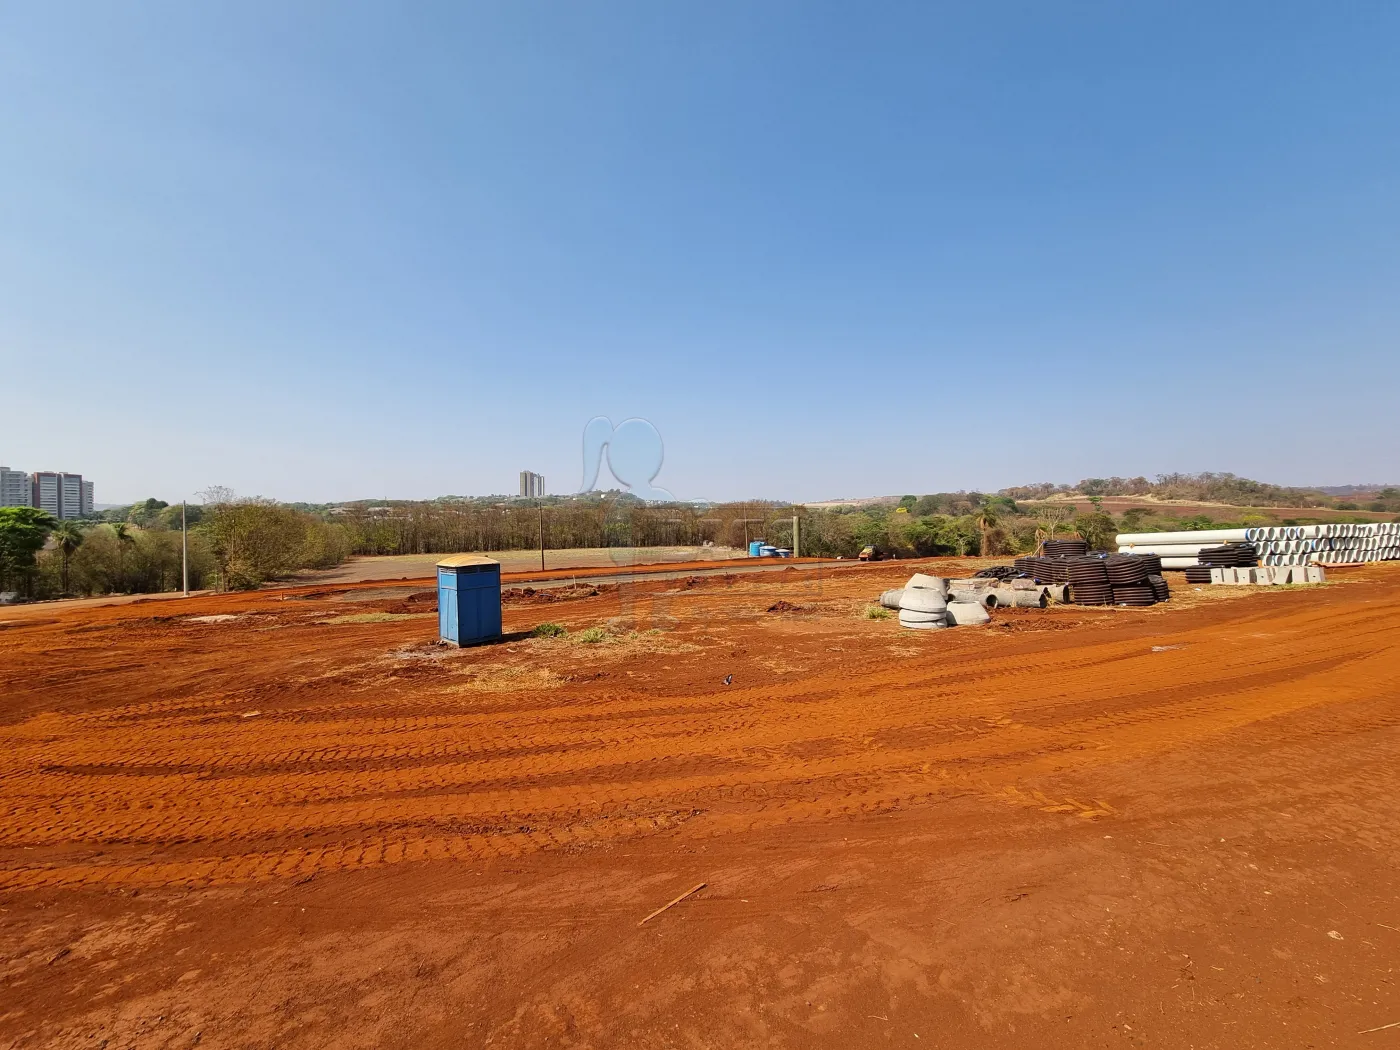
[47,492]
[15,488]
[70,504]
[531,484]
[62,495]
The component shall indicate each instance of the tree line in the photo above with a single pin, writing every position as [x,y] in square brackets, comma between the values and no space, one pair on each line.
[243,542]
[231,544]
[1206,487]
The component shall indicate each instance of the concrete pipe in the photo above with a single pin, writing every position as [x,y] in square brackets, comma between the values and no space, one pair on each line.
[1030,599]
[966,614]
[914,621]
[890,599]
[922,600]
[928,583]
[987,598]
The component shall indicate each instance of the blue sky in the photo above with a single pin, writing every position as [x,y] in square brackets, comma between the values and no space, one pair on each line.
[327,251]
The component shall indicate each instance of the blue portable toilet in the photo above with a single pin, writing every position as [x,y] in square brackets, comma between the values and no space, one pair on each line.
[469,599]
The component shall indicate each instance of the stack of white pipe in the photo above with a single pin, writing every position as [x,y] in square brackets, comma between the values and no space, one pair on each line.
[1178,550]
[1277,545]
[1326,544]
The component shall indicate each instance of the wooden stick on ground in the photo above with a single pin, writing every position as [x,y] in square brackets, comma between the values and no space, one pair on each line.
[694,889]
[1382,1028]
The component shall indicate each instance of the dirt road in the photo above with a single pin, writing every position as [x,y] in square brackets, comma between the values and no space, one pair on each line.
[412,566]
[292,821]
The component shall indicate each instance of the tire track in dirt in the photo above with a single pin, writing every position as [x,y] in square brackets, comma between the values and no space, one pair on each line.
[343,768]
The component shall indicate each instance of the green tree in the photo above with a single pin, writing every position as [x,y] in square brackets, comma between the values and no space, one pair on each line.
[258,539]
[1099,530]
[23,533]
[69,536]
[124,539]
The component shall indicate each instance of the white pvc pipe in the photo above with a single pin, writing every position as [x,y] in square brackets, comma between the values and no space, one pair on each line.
[1168,550]
[1180,563]
[1205,537]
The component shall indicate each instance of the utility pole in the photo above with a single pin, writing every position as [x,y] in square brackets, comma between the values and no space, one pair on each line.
[184,550]
[796,540]
[541,537]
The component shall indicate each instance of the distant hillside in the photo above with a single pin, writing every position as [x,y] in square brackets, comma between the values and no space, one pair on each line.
[1356,491]
[1205,488]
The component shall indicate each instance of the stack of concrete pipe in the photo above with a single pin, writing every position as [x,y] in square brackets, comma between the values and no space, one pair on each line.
[926,604]
[930,602]
[1276,545]
[1327,544]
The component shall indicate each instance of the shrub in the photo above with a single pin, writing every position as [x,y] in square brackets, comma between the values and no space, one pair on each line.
[876,612]
[548,630]
[593,634]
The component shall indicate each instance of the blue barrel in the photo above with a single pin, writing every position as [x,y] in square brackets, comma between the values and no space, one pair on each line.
[756,549]
[469,599]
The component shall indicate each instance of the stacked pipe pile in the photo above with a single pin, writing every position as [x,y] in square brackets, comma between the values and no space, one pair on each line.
[1327,544]
[1066,548]
[1226,556]
[1275,545]
[1006,593]
[1134,580]
[925,604]
[1044,570]
[1052,564]
[1120,579]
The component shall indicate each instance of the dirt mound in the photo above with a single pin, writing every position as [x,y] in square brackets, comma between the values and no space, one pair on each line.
[549,595]
[782,605]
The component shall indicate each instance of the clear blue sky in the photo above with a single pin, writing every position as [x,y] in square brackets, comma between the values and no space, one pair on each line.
[325,251]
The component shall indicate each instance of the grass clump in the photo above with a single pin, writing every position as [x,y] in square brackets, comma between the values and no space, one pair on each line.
[876,612]
[593,635]
[549,630]
[375,617]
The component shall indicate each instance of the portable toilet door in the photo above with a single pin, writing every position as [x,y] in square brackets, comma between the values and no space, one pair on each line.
[469,599]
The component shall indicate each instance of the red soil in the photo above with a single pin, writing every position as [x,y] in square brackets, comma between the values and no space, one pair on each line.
[300,823]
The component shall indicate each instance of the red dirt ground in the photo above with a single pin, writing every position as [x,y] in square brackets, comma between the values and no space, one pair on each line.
[289,820]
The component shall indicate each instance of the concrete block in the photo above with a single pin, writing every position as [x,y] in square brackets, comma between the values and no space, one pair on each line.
[1317,574]
[1218,576]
